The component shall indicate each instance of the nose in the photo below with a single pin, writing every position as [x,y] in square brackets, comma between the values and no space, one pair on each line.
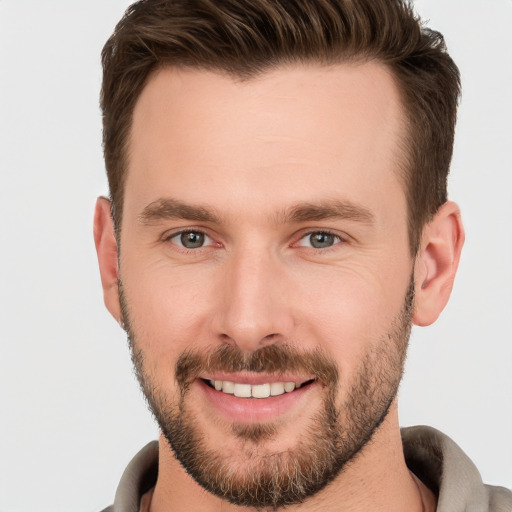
[254,307]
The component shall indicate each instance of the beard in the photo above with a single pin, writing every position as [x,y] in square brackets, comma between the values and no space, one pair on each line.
[255,476]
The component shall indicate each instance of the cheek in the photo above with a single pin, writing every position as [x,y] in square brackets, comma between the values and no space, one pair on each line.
[350,310]
[168,308]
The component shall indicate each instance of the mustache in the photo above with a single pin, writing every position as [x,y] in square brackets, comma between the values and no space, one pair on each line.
[272,359]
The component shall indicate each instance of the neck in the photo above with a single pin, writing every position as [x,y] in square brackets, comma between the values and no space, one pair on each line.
[377,479]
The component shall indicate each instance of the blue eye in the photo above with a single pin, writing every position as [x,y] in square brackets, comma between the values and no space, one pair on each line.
[191,239]
[319,240]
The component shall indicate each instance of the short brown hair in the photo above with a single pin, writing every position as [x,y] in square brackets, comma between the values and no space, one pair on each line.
[246,37]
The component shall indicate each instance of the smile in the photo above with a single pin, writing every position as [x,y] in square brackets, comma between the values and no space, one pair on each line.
[255,398]
[254,390]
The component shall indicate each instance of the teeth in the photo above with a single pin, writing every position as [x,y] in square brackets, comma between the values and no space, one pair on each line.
[289,386]
[276,388]
[256,390]
[241,390]
[228,387]
[260,390]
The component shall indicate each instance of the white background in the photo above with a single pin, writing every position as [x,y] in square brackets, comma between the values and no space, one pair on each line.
[71,414]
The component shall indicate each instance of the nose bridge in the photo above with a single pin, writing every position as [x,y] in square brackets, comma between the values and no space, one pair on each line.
[252,312]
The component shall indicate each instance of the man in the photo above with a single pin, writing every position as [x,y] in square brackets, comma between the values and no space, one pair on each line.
[278,220]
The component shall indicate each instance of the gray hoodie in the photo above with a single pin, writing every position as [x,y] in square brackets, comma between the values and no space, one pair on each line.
[429,454]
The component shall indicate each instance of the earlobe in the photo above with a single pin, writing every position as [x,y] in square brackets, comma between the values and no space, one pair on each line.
[436,263]
[106,249]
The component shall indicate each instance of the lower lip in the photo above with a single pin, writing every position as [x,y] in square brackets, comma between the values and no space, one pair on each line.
[253,410]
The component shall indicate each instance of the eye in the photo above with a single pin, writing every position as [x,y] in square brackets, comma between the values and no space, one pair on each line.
[319,240]
[191,239]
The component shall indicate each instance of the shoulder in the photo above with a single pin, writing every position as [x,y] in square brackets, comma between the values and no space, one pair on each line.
[444,467]
[139,476]
[500,499]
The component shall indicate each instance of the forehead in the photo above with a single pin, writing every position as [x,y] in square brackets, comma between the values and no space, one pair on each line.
[283,134]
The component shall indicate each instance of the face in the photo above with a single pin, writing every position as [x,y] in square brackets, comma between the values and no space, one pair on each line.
[265,274]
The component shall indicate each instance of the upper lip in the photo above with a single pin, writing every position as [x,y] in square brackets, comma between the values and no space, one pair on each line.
[256,378]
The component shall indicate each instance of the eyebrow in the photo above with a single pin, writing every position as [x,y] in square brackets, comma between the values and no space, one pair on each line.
[334,209]
[169,208]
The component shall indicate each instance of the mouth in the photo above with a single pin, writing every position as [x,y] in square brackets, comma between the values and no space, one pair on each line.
[259,391]
[252,397]
[256,398]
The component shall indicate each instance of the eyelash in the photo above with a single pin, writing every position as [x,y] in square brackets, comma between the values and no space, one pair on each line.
[303,236]
[170,237]
[338,239]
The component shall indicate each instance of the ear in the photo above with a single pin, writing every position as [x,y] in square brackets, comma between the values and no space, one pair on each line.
[106,249]
[436,263]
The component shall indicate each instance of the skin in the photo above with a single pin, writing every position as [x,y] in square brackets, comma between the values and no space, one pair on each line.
[249,152]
